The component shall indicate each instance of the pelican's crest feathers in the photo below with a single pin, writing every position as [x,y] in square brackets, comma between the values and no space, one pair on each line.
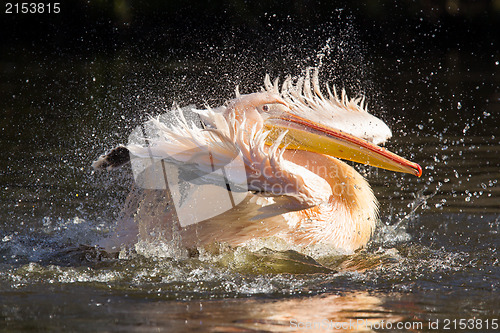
[348,115]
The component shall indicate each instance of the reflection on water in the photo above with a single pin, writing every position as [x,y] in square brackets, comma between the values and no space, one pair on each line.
[54,309]
[434,256]
[359,311]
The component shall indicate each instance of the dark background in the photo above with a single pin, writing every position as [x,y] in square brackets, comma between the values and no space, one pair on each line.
[178,28]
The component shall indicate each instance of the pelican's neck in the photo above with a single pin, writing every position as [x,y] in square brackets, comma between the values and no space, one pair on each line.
[351,210]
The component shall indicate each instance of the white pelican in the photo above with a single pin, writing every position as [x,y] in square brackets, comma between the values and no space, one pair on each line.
[292,139]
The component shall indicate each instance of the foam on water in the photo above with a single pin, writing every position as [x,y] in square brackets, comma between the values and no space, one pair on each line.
[220,269]
[242,272]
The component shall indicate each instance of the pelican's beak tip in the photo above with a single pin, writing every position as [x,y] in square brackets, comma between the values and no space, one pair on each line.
[418,171]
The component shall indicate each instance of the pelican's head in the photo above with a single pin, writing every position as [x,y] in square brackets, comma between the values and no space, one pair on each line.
[255,108]
[341,128]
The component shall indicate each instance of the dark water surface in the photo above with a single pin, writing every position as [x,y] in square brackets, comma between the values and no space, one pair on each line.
[435,257]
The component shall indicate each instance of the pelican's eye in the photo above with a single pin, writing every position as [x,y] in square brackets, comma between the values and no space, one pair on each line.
[265,108]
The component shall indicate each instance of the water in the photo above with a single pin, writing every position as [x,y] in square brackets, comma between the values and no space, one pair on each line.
[434,258]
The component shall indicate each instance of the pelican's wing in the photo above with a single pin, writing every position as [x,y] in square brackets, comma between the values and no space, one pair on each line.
[271,175]
[185,144]
[214,118]
[113,159]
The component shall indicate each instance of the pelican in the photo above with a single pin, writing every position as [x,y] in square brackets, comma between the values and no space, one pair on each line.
[292,139]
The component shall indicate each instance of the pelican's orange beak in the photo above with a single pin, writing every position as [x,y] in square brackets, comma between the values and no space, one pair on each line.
[306,135]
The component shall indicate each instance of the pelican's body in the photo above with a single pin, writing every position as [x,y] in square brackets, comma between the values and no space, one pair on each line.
[289,141]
